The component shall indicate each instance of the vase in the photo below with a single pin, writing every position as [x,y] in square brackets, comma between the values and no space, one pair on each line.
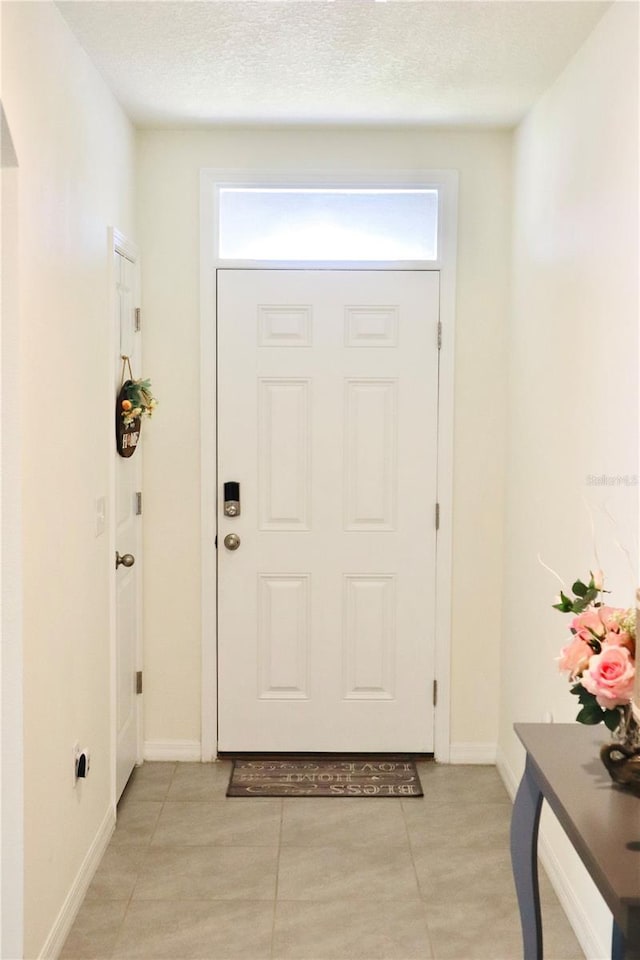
[621,757]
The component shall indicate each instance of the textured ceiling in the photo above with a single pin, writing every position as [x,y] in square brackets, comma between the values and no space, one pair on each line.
[203,62]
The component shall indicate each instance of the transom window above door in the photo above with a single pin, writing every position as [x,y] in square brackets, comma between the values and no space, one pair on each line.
[327,224]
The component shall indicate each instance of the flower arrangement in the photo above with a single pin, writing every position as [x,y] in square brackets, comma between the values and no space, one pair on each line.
[600,659]
[136,400]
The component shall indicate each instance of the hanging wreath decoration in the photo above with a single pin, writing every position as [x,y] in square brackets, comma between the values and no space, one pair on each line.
[134,402]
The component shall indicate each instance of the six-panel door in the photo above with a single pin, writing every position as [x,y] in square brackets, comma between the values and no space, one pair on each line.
[128,540]
[327,418]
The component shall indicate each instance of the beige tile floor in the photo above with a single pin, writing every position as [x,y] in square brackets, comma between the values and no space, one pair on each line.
[191,875]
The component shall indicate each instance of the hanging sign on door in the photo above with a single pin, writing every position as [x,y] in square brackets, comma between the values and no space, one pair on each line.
[134,402]
[127,430]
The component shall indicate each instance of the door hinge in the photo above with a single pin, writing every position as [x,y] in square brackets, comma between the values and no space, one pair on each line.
[439,334]
[136,320]
[435,693]
[138,503]
[139,681]
[437,516]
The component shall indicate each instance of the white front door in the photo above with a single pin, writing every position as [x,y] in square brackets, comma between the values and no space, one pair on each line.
[327,419]
[128,538]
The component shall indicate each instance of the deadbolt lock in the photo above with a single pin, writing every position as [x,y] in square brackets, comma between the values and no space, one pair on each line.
[231,499]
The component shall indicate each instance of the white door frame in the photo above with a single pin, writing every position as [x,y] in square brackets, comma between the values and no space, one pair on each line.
[11,555]
[446,182]
[119,243]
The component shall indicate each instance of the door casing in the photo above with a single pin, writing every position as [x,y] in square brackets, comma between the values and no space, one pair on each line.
[446,181]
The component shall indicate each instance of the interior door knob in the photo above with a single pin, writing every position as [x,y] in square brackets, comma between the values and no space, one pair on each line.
[232,541]
[127,560]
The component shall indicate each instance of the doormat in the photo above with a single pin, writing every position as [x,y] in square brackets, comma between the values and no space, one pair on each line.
[325,777]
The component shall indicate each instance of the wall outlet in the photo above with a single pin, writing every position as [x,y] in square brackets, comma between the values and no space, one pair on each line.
[84,764]
[81,763]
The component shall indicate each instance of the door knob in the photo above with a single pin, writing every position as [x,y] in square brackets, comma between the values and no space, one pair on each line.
[232,541]
[127,560]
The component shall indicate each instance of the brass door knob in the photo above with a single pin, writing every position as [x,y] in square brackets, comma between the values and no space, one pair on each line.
[232,541]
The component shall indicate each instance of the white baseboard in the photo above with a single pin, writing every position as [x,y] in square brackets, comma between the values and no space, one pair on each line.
[181,750]
[472,753]
[577,916]
[508,776]
[64,921]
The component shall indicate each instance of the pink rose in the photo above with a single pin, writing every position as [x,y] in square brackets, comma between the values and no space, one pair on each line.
[610,617]
[598,579]
[587,624]
[575,657]
[609,676]
[620,638]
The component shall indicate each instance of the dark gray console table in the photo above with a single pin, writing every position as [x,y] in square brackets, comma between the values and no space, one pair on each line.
[602,822]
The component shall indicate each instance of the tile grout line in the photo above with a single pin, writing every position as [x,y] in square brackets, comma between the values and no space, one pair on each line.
[275,896]
[415,871]
[128,902]
[130,897]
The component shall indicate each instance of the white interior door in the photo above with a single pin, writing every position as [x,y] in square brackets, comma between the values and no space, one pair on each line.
[327,418]
[127,538]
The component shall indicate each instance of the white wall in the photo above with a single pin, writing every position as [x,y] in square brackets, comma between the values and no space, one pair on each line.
[75,153]
[168,216]
[573,394]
